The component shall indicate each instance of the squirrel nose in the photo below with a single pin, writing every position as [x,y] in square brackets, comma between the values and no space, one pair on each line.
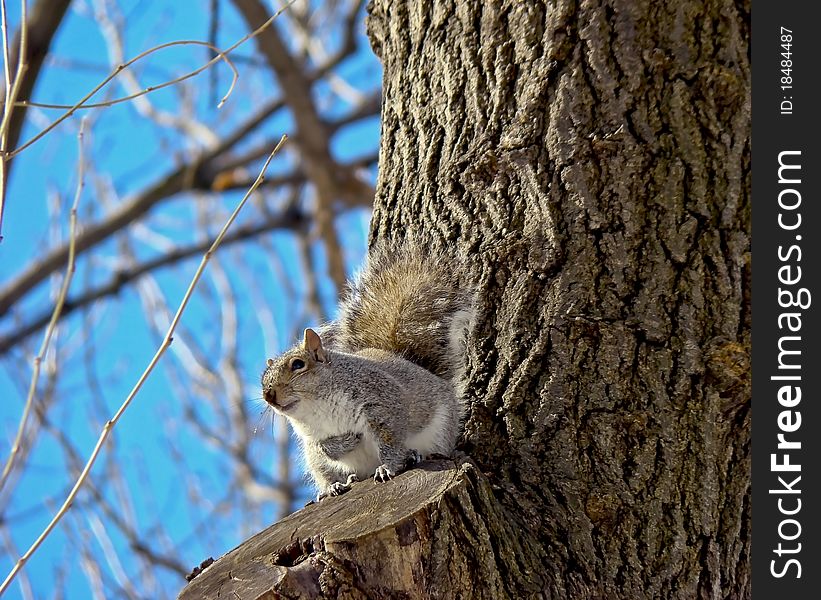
[271,397]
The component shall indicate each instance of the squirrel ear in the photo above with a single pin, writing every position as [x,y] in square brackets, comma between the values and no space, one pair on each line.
[313,344]
[270,362]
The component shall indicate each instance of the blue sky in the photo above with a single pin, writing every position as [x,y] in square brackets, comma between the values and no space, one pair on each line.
[126,153]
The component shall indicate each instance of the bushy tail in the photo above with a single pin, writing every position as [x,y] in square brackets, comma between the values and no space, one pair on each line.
[415,303]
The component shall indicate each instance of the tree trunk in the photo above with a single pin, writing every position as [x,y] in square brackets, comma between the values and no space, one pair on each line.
[595,159]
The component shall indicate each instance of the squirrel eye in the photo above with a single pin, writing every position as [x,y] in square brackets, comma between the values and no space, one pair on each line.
[297,364]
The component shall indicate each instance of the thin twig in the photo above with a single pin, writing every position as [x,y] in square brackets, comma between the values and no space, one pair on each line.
[109,426]
[83,103]
[222,54]
[55,315]
[6,56]
[182,178]
[72,108]
[121,277]
[11,93]
[7,108]
[111,26]
[198,173]
[11,550]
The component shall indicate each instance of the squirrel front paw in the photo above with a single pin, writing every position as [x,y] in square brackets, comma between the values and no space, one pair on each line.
[383,473]
[337,488]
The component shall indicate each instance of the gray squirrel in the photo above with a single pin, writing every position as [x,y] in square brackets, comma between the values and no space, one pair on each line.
[373,391]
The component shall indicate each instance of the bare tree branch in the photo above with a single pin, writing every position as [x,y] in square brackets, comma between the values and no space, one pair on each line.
[44,19]
[312,135]
[55,313]
[199,174]
[99,500]
[202,173]
[291,220]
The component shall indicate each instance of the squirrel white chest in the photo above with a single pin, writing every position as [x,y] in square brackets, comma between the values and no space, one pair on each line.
[337,417]
[316,420]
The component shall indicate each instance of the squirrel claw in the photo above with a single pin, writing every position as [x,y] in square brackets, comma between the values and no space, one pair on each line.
[383,473]
[337,488]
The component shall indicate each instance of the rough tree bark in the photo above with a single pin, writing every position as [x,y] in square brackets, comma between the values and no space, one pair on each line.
[595,158]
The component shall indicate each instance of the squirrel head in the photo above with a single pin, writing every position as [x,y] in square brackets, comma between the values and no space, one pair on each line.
[291,378]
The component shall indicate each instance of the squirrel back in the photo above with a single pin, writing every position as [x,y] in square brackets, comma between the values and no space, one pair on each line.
[412,302]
